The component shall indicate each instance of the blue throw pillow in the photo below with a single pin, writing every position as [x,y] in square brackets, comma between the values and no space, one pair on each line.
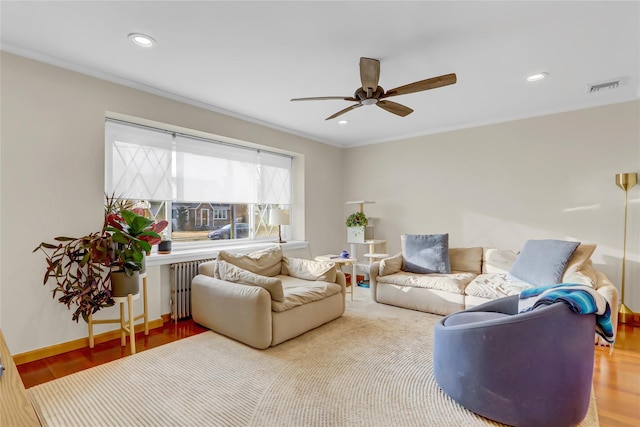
[542,262]
[426,253]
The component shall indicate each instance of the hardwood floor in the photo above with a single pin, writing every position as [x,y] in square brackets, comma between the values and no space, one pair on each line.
[50,368]
[616,378]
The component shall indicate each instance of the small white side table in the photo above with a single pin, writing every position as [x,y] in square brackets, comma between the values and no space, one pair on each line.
[339,263]
[126,326]
[372,255]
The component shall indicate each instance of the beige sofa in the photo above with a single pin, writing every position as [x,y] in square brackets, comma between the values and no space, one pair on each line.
[477,275]
[265,298]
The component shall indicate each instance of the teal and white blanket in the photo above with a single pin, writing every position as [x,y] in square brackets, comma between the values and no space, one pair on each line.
[580,298]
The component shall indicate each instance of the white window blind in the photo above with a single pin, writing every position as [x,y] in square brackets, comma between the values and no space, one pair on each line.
[274,178]
[138,162]
[151,164]
[209,171]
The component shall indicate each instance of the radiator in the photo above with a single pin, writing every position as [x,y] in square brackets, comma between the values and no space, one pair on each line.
[183,273]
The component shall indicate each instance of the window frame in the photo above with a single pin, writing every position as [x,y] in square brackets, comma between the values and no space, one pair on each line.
[288,231]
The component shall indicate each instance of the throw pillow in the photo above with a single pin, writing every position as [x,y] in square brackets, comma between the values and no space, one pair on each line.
[309,270]
[468,260]
[498,261]
[426,253]
[542,262]
[580,257]
[231,273]
[265,262]
[390,265]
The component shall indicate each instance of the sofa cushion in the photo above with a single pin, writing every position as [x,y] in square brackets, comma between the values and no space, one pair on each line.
[390,265]
[542,262]
[585,276]
[578,278]
[231,273]
[209,268]
[265,262]
[494,286]
[454,283]
[466,260]
[299,292]
[497,261]
[580,257]
[426,253]
[308,269]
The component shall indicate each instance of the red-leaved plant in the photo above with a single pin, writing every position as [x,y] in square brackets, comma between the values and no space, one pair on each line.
[81,267]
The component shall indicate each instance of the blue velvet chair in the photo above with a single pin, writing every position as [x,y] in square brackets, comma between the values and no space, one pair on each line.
[528,369]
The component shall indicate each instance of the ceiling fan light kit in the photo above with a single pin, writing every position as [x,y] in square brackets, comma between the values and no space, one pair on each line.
[372,94]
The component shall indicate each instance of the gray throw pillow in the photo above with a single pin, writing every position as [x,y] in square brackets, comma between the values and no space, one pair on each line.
[426,253]
[542,262]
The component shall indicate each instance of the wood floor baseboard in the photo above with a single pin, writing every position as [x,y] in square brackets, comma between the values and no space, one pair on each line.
[64,347]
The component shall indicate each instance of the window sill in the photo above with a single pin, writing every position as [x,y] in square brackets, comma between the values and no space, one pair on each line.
[206,253]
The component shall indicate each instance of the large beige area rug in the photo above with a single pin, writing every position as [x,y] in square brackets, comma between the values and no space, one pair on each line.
[372,367]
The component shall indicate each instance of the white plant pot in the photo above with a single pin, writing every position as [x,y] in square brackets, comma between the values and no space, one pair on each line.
[355,235]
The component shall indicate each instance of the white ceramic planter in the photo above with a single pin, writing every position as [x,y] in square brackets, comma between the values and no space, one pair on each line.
[355,235]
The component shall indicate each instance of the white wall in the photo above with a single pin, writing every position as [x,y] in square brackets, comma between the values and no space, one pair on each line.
[52,182]
[500,185]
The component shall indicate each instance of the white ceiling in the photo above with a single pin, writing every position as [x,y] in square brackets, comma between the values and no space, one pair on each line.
[248,59]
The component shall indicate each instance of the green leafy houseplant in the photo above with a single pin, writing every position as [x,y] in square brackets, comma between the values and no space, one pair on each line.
[81,267]
[357,219]
[356,224]
[134,235]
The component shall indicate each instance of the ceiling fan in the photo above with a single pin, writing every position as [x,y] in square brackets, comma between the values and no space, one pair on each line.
[370,93]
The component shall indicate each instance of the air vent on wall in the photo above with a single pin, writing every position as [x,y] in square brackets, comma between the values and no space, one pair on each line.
[608,85]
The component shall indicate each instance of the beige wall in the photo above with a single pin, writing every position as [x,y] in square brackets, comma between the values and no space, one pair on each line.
[52,169]
[499,185]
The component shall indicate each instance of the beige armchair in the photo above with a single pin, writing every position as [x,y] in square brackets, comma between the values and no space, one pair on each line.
[264,298]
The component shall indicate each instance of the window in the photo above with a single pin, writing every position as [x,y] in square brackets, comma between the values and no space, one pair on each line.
[220,214]
[207,189]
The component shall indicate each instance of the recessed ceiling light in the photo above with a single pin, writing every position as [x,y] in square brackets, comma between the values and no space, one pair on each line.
[343,122]
[142,39]
[537,76]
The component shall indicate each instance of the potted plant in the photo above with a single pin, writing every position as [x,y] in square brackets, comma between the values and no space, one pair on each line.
[132,235]
[87,269]
[164,247]
[79,268]
[356,223]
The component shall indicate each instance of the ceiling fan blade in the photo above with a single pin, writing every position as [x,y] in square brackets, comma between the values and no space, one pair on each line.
[432,83]
[395,108]
[369,73]
[341,112]
[319,98]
